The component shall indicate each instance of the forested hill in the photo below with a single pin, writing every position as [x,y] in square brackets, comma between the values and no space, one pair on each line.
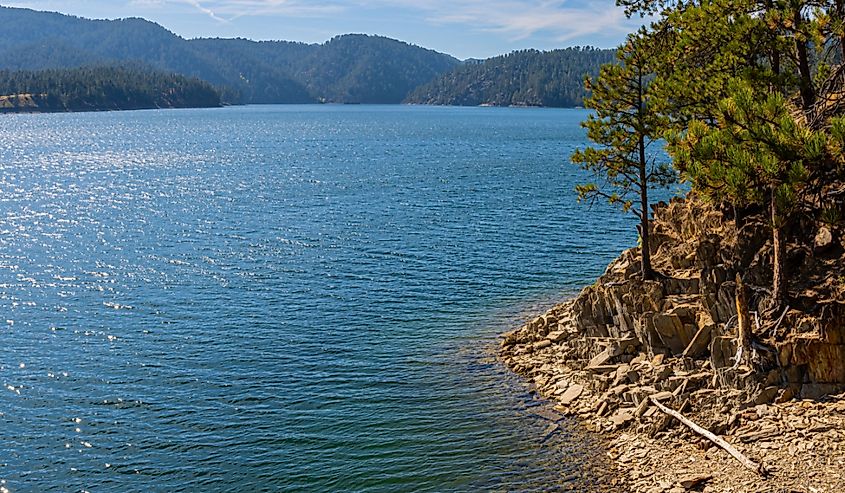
[349,69]
[522,78]
[353,68]
[101,88]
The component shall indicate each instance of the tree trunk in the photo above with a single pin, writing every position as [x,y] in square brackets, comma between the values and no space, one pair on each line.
[775,55]
[840,14]
[778,281]
[647,272]
[805,82]
[776,63]
[743,323]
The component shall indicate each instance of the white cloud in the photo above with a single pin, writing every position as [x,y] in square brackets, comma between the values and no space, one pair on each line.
[232,9]
[561,20]
[522,19]
[147,3]
[205,10]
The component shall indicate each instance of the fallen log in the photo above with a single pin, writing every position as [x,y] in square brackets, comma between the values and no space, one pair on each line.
[736,454]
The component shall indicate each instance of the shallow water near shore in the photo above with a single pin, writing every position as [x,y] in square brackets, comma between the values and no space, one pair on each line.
[287,298]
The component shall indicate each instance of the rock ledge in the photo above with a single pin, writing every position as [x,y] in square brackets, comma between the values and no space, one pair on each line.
[623,341]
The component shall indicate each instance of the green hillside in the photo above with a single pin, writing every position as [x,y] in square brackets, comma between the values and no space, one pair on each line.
[522,78]
[101,88]
[350,68]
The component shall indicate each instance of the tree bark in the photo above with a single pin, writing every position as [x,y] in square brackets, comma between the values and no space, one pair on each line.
[743,322]
[775,55]
[778,281]
[647,272]
[805,82]
[840,14]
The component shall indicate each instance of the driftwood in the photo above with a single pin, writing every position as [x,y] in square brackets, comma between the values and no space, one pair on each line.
[745,461]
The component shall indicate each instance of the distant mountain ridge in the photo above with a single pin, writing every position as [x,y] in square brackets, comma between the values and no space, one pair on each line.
[347,69]
[351,68]
[522,78]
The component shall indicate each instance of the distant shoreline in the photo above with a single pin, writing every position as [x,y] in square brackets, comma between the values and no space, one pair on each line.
[40,111]
[36,111]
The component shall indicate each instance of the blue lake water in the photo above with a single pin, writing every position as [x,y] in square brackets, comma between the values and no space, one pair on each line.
[286,298]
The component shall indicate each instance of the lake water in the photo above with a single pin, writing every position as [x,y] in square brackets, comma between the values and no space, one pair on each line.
[286,298]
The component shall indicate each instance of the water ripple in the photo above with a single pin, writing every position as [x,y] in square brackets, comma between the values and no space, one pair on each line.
[286,298]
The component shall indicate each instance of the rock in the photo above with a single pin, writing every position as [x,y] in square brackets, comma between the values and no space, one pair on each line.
[542,344]
[700,342]
[642,408]
[550,431]
[767,395]
[602,408]
[722,350]
[600,359]
[603,368]
[618,389]
[658,359]
[673,332]
[557,336]
[547,414]
[694,480]
[819,428]
[662,373]
[823,240]
[621,374]
[621,346]
[663,396]
[509,338]
[572,393]
[622,417]
[785,395]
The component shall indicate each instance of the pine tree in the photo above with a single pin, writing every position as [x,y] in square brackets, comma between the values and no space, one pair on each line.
[757,153]
[624,127]
[739,82]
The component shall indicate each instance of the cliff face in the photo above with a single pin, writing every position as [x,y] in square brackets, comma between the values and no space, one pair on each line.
[628,338]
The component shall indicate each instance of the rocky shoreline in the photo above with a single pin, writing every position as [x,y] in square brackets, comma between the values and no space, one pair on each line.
[625,347]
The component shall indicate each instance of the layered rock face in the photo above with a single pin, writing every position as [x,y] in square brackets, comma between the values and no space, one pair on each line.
[624,339]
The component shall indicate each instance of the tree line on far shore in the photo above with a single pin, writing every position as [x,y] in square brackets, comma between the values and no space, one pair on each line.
[101,88]
[522,78]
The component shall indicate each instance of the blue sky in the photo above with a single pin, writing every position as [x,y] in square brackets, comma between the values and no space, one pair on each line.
[463,28]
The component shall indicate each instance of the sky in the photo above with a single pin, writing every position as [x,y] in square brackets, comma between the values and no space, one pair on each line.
[462,28]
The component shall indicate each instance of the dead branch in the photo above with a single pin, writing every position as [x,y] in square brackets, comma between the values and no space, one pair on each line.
[780,320]
[736,454]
